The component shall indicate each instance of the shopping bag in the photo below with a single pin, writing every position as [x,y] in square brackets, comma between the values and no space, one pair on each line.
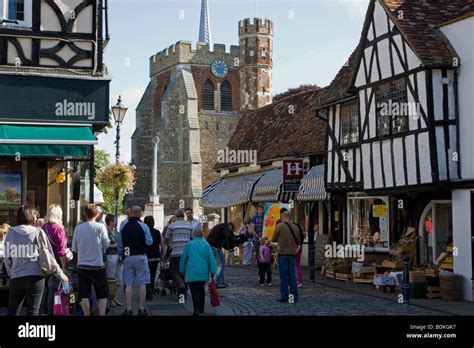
[61,303]
[214,294]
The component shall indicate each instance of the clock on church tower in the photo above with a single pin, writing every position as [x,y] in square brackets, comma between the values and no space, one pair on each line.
[219,68]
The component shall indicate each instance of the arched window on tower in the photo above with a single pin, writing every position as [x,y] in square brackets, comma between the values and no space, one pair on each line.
[226,96]
[208,95]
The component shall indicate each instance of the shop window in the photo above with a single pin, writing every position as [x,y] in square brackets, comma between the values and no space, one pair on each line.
[350,122]
[391,101]
[226,96]
[208,96]
[368,219]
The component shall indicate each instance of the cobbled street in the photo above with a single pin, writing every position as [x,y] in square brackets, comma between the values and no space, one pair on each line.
[245,297]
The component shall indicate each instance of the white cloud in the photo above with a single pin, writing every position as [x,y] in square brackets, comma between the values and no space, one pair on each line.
[354,8]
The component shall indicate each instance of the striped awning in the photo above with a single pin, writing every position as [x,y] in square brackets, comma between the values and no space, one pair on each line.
[312,186]
[268,187]
[231,191]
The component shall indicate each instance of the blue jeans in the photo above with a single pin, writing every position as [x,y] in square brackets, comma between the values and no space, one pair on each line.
[286,269]
[220,259]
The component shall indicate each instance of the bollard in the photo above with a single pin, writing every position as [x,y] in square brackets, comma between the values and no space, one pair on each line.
[311,263]
[406,279]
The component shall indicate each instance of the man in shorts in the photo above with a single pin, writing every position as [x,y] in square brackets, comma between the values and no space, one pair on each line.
[89,240]
[132,241]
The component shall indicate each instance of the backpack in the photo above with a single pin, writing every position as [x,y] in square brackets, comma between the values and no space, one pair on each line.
[46,258]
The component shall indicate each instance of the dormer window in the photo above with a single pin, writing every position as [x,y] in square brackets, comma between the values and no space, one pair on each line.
[16,13]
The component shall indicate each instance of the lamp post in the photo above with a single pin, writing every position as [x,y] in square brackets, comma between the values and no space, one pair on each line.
[118,112]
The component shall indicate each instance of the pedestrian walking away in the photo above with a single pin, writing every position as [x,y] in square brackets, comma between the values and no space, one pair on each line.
[153,253]
[221,236]
[177,236]
[113,264]
[53,227]
[132,242]
[89,240]
[26,272]
[288,239]
[198,263]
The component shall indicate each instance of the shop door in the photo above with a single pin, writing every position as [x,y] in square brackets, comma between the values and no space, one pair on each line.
[436,230]
[442,228]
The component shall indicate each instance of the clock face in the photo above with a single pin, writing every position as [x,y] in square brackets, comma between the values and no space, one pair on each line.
[219,68]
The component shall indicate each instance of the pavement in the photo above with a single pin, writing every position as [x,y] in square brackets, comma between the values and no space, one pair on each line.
[324,297]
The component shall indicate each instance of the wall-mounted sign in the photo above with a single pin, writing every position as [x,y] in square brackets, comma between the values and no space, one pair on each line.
[293,173]
[10,190]
[47,99]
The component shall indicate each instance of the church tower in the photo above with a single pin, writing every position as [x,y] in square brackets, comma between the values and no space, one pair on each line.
[256,45]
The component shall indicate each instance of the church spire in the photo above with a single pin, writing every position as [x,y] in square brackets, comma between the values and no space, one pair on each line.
[205,25]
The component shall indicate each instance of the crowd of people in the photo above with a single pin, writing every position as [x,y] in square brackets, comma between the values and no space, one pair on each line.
[108,259]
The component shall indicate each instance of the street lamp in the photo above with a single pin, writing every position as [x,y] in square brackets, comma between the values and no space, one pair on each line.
[118,111]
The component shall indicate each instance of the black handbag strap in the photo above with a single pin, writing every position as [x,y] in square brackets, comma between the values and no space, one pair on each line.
[292,233]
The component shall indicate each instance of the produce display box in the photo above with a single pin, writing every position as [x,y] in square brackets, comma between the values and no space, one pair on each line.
[330,274]
[433,292]
[417,277]
[363,278]
[393,264]
[344,277]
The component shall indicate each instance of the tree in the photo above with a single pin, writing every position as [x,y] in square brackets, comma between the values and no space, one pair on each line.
[101,160]
[112,179]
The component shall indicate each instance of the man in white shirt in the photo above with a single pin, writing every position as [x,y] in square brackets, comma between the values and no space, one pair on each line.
[190,219]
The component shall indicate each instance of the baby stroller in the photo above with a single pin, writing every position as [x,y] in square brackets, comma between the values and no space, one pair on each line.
[165,279]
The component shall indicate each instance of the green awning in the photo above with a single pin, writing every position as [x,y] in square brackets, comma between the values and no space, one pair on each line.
[45,141]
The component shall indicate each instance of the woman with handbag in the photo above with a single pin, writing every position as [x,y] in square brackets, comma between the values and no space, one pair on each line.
[53,227]
[197,263]
[24,262]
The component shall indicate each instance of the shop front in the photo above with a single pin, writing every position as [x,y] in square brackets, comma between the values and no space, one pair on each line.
[48,128]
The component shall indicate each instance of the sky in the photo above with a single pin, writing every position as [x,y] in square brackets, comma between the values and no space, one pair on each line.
[312,40]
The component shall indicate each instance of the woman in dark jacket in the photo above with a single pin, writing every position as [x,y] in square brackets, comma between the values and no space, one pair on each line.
[153,253]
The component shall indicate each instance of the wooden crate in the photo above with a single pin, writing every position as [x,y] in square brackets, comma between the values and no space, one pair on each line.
[417,277]
[344,277]
[433,292]
[393,264]
[330,274]
[363,279]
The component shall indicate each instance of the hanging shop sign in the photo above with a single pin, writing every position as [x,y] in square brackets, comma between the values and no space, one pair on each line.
[293,173]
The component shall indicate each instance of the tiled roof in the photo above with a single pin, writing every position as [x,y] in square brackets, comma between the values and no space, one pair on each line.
[420,23]
[422,18]
[275,132]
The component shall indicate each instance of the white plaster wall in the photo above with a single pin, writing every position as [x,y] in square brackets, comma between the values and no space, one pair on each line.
[366,165]
[384,57]
[411,159]
[358,164]
[424,156]
[438,94]
[13,54]
[387,157]
[440,148]
[329,167]
[452,149]
[398,159]
[377,164]
[421,78]
[460,35]
[461,200]
[372,123]
[380,19]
